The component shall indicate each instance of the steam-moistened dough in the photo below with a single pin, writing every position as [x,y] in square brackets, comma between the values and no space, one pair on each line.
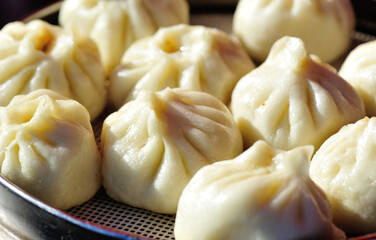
[344,167]
[359,69]
[47,148]
[262,194]
[293,99]
[115,24]
[190,57]
[324,25]
[39,55]
[153,145]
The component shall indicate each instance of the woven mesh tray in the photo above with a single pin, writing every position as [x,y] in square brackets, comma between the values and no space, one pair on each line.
[121,217]
[110,216]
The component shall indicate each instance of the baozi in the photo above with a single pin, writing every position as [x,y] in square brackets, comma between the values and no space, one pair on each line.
[191,57]
[324,25]
[293,99]
[262,194]
[39,55]
[154,144]
[343,167]
[115,25]
[359,69]
[47,148]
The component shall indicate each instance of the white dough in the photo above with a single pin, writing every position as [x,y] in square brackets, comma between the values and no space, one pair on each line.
[293,99]
[47,148]
[115,24]
[324,25]
[344,168]
[39,55]
[359,69]
[153,145]
[191,57]
[262,194]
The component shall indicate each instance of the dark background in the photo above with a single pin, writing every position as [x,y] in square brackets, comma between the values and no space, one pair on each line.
[12,10]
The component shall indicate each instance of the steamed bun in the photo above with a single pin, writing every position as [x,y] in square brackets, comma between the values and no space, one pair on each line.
[359,69]
[293,99]
[344,167]
[115,25]
[47,148]
[262,194]
[154,144]
[39,55]
[191,57]
[324,25]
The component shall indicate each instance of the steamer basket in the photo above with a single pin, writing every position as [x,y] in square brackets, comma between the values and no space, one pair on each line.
[24,217]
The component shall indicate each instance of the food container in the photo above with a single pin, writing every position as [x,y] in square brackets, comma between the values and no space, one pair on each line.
[24,217]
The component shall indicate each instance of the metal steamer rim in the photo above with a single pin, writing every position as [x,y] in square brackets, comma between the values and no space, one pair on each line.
[23,216]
